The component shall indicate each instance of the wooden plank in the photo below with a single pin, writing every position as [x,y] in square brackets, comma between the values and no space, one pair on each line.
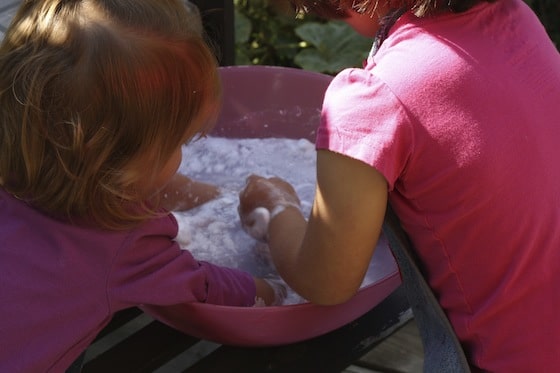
[143,351]
[401,352]
[118,320]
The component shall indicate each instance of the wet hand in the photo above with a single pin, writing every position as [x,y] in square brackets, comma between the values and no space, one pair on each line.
[271,291]
[183,193]
[261,200]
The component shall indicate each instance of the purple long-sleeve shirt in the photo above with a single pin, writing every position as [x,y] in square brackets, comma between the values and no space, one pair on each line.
[60,284]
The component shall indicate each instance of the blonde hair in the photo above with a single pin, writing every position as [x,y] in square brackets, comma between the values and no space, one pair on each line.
[95,96]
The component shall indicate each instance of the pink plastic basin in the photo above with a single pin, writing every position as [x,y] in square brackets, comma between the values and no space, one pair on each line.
[266,101]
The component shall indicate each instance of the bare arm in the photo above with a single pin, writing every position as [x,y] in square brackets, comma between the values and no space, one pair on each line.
[183,193]
[326,259]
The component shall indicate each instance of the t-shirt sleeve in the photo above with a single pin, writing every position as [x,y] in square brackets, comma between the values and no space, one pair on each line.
[150,268]
[362,119]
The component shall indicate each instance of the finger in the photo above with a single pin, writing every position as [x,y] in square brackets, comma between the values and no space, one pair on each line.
[282,184]
[252,178]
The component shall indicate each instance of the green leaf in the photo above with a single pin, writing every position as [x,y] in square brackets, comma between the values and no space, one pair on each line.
[334,46]
[311,60]
[242,28]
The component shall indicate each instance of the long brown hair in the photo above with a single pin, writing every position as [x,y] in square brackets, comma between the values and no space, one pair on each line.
[336,9]
[95,95]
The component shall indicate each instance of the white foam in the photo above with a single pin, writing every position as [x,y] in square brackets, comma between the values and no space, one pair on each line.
[212,232]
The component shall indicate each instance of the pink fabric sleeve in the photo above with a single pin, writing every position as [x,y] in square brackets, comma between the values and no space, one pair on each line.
[362,119]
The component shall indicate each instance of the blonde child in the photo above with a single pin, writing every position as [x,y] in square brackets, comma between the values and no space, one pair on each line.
[97,97]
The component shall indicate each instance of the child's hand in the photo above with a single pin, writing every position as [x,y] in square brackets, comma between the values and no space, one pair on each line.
[261,200]
[182,193]
[271,291]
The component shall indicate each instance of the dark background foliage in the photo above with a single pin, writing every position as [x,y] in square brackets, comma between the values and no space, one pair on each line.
[268,34]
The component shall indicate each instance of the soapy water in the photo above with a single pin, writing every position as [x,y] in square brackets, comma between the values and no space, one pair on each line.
[212,232]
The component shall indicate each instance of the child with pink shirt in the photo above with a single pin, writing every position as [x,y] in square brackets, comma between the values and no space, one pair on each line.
[455,121]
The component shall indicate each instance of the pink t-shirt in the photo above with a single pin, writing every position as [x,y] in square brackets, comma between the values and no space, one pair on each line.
[461,114]
[61,284]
